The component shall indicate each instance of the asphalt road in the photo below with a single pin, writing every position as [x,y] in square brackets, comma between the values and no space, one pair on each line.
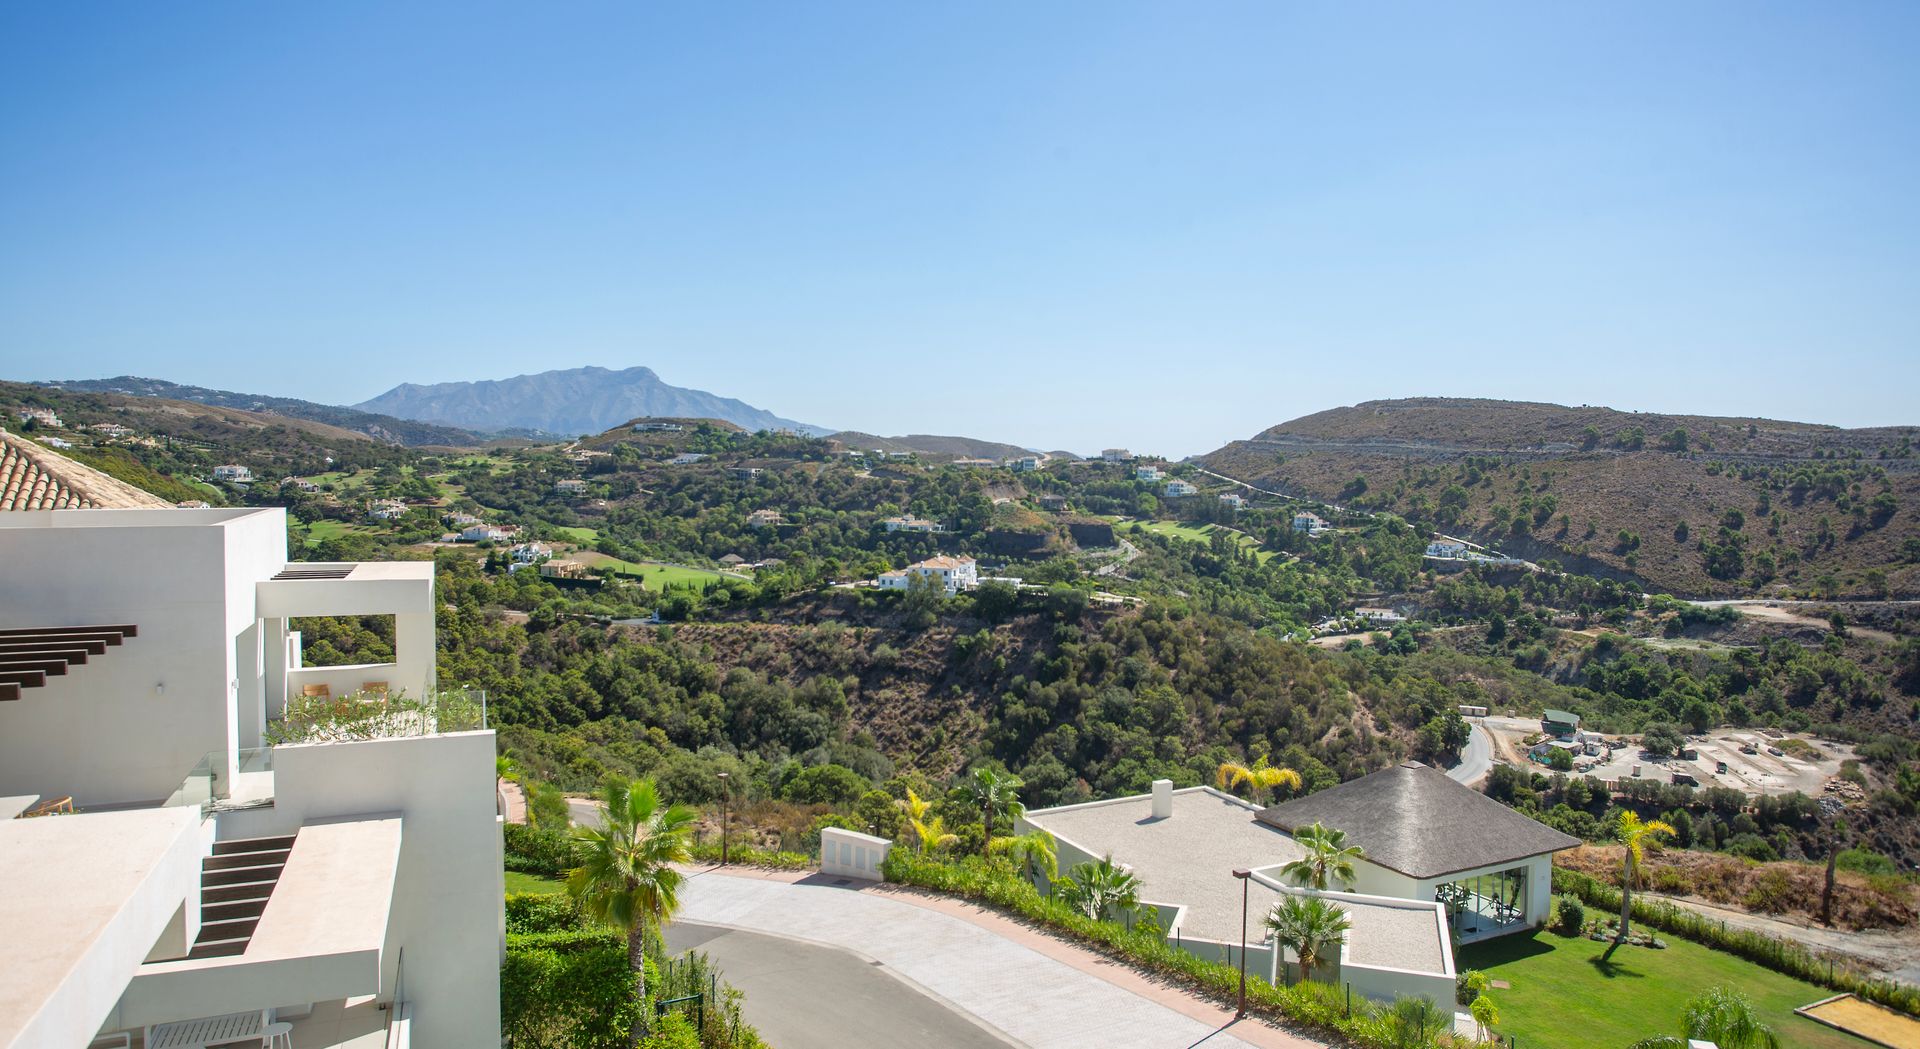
[1475,758]
[805,996]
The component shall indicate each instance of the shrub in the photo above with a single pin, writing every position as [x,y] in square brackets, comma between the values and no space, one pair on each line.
[531,851]
[1469,985]
[1569,915]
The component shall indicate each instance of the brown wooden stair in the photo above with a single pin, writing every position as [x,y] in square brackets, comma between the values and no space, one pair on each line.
[235,883]
[31,655]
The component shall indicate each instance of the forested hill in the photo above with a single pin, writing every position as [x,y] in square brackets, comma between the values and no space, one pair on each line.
[1692,505]
[379,427]
[929,444]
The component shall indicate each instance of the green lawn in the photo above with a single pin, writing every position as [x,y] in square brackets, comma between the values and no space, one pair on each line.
[651,576]
[518,882]
[1192,533]
[320,531]
[1561,996]
[579,535]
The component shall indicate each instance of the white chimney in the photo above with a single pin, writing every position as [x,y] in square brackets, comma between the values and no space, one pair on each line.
[1162,798]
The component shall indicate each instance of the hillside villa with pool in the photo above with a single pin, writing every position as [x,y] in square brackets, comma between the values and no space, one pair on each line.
[1443,866]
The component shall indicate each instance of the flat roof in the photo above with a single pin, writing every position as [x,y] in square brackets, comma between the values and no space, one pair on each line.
[171,517]
[69,879]
[1188,860]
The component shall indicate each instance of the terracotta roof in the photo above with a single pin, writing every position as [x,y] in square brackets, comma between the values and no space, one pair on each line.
[35,477]
[1413,819]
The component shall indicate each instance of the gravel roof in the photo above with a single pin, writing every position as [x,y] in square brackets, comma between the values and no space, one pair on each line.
[1188,860]
[1413,819]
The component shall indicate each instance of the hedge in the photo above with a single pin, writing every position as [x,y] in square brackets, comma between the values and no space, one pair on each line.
[567,985]
[1782,956]
[552,853]
[1318,1009]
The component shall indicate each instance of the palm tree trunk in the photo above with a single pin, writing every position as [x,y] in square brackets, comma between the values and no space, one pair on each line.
[637,959]
[1826,894]
[1626,909]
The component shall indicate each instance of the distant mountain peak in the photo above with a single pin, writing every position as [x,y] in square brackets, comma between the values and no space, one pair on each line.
[587,399]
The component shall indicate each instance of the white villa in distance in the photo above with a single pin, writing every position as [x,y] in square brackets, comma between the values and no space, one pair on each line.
[1232,499]
[954,574]
[1178,488]
[911,524]
[1444,548]
[233,473]
[1147,472]
[1115,455]
[1309,522]
[206,879]
[1441,861]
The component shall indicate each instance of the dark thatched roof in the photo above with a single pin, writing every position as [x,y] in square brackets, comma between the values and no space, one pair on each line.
[1414,820]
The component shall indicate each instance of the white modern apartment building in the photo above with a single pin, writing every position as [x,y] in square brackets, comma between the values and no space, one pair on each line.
[201,879]
[954,574]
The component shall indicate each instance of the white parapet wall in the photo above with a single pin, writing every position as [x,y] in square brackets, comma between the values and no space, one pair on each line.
[448,892]
[851,854]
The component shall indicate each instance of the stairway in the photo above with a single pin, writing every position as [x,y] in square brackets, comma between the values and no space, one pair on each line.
[31,655]
[235,883]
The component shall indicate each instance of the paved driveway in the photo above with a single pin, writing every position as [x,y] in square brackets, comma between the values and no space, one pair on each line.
[805,996]
[1034,999]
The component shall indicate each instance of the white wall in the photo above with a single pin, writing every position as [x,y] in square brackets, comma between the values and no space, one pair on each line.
[105,732]
[448,903]
[850,854]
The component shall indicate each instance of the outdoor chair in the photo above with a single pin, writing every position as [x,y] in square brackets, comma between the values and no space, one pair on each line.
[278,1035]
[374,688]
[49,807]
[317,692]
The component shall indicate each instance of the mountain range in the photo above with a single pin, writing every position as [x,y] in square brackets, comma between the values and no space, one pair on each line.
[569,402]
[386,428]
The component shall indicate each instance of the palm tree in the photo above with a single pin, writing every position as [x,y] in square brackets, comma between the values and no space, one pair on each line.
[1720,1016]
[1260,777]
[1309,925]
[1098,889]
[1329,859]
[995,795]
[928,833]
[1031,851]
[1633,833]
[626,877]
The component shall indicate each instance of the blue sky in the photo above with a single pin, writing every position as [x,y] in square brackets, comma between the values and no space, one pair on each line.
[1065,225]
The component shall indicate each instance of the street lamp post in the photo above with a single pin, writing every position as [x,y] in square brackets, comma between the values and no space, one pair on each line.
[725,796]
[1246,878]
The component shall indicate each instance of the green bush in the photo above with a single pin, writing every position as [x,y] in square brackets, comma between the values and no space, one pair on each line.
[1569,915]
[1469,985]
[748,856]
[531,851]
[542,912]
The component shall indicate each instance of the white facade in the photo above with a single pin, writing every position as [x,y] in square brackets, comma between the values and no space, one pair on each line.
[1116,455]
[1232,499]
[954,574]
[1024,464]
[851,854]
[1180,488]
[1310,523]
[1446,548]
[40,416]
[570,486]
[232,472]
[1147,473]
[530,553]
[911,524]
[387,902]
[481,533]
